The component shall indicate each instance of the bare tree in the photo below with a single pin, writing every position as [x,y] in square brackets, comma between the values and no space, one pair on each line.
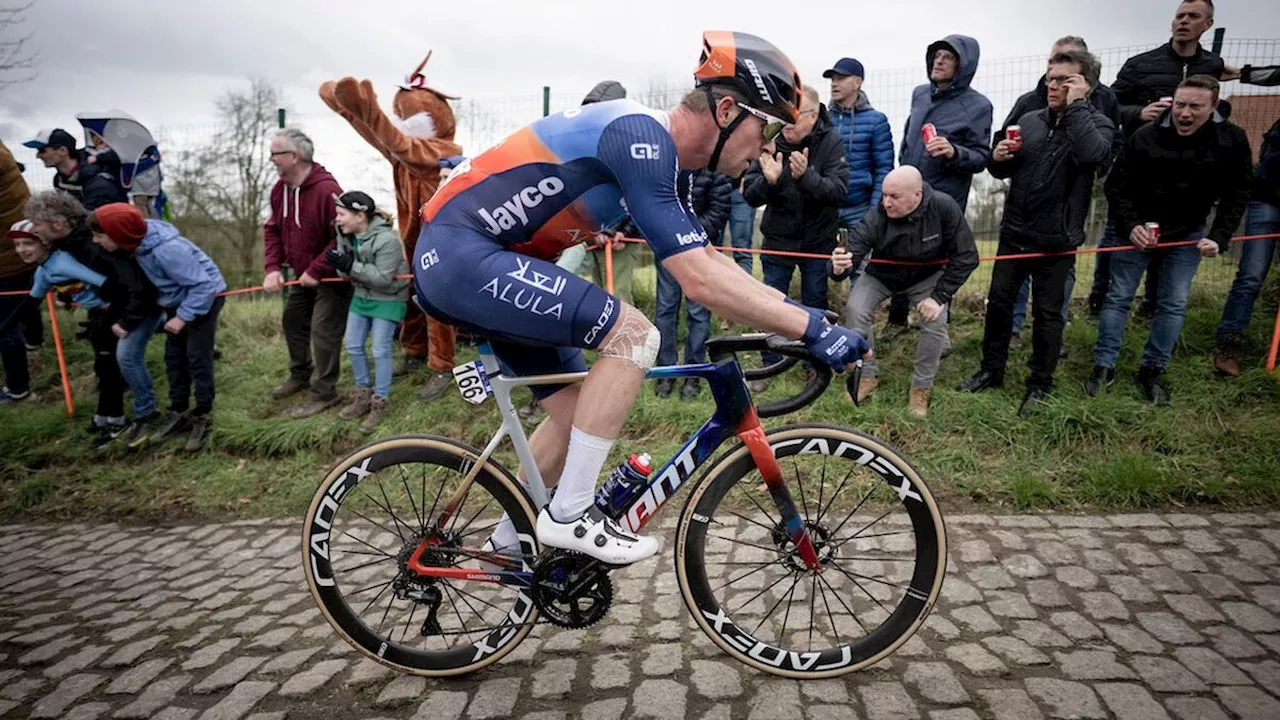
[224,186]
[17,59]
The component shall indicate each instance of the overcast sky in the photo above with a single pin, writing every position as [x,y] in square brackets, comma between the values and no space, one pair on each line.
[165,62]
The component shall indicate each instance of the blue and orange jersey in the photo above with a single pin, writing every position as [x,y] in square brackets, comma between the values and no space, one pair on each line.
[562,179]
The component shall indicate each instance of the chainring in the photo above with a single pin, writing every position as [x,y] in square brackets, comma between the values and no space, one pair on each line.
[571,590]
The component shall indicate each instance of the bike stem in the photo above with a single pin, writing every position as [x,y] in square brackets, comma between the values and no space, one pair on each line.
[752,435]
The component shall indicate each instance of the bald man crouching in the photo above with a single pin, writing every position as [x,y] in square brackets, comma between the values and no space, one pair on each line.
[912,224]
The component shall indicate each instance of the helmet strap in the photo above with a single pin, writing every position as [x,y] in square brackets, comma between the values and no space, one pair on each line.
[725,131]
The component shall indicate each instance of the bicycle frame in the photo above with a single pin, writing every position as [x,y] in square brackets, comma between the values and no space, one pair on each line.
[735,414]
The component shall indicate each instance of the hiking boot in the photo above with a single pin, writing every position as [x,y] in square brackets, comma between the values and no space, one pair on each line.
[866,386]
[1031,401]
[141,430]
[377,410]
[312,407]
[410,364]
[663,388]
[891,331]
[595,535]
[357,403]
[199,434]
[1101,377]
[1152,384]
[289,388]
[981,380]
[691,389]
[172,424]
[918,402]
[436,385]
[1226,357]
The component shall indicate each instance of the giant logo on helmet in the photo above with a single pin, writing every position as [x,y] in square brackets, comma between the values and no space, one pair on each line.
[755,74]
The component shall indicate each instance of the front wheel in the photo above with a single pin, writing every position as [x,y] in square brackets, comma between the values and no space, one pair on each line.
[874,524]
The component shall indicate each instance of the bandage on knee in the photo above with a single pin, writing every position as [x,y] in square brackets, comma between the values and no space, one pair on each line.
[633,338]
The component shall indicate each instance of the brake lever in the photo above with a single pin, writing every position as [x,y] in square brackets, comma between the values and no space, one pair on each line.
[855,379]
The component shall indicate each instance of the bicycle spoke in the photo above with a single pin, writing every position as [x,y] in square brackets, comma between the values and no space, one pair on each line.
[367,564]
[752,498]
[362,552]
[378,525]
[404,480]
[384,587]
[813,595]
[747,575]
[390,601]
[439,492]
[873,522]
[394,518]
[462,625]
[822,485]
[743,542]
[873,535]
[842,602]
[473,517]
[744,517]
[831,618]
[477,531]
[787,594]
[867,558]
[477,598]
[404,634]
[853,578]
[834,495]
[753,597]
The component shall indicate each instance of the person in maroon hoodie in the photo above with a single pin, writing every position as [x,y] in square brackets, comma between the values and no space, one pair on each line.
[297,233]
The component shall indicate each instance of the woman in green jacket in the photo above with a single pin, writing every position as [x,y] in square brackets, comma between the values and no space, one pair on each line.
[368,251]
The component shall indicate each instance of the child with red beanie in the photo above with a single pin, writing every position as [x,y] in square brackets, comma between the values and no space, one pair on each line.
[188,283]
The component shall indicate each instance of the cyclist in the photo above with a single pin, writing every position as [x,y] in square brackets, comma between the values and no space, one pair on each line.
[484,261]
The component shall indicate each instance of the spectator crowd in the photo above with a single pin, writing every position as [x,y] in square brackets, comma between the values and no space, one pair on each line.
[1177,174]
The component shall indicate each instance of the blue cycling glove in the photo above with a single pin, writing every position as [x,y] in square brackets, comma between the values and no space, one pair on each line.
[835,345]
[813,312]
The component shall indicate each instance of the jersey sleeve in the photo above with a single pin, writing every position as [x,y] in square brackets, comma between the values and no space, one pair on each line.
[640,154]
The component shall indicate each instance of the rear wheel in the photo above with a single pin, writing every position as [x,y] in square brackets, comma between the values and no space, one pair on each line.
[875,527]
[377,516]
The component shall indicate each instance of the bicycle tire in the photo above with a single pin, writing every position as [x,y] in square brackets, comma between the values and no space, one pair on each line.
[707,604]
[320,532]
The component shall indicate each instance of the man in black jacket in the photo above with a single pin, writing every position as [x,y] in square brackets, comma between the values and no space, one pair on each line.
[90,178]
[801,188]
[915,224]
[1172,172]
[1052,168]
[711,198]
[1144,87]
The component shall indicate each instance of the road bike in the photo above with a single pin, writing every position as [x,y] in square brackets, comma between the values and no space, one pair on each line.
[805,551]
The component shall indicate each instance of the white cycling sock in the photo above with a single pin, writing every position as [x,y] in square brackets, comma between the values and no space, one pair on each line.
[504,536]
[582,465]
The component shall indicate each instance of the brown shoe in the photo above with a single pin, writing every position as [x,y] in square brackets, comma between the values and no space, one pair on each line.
[866,386]
[288,388]
[357,404]
[918,402]
[1226,357]
[436,385]
[312,407]
[377,409]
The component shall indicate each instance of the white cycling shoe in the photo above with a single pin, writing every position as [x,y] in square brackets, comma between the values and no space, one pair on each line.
[595,535]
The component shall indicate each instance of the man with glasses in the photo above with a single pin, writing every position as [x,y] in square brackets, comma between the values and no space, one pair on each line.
[484,261]
[297,233]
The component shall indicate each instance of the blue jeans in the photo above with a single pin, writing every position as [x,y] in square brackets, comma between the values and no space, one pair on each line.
[813,283]
[1178,269]
[668,322]
[742,221]
[1255,260]
[358,330]
[131,354]
[1024,293]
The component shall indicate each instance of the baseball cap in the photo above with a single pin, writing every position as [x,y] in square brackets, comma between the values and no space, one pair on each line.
[357,201]
[22,228]
[57,137]
[846,66]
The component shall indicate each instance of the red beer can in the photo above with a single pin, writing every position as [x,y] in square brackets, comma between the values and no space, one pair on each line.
[1154,229]
[1013,134]
[928,132]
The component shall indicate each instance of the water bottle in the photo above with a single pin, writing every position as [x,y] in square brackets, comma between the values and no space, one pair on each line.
[624,485]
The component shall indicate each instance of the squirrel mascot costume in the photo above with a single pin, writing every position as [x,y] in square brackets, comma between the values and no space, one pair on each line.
[414,141]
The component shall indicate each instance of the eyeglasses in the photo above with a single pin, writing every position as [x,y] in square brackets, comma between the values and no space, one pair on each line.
[281,152]
[772,125]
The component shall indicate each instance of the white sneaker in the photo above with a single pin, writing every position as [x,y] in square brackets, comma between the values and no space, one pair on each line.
[595,535]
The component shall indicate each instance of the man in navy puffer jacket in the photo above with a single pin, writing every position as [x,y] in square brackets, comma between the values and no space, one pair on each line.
[866,136]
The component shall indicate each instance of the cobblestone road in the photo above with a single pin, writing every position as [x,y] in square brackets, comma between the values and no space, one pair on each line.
[1131,616]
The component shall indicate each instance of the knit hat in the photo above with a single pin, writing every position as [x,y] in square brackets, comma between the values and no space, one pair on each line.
[123,223]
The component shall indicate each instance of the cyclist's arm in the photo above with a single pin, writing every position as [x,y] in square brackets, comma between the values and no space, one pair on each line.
[726,290]
[724,259]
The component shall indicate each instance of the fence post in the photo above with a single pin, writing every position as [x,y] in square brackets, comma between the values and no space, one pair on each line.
[1275,344]
[280,118]
[62,358]
[1219,34]
[546,100]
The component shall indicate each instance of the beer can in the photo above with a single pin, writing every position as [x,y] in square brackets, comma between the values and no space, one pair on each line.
[928,132]
[1167,99]
[842,238]
[1154,229]
[1013,134]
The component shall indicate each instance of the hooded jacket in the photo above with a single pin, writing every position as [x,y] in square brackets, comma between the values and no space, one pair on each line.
[1052,176]
[868,148]
[379,258]
[959,113]
[936,230]
[1103,98]
[13,199]
[1173,180]
[712,200]
[802,214]
[186,279]
[1149,76]
[94,183]
[129,295]
[301,224]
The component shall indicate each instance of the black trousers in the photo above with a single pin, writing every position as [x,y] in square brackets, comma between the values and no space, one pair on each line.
[13,354]
[316,318]
[188,361]
[1048,291]
[111,384]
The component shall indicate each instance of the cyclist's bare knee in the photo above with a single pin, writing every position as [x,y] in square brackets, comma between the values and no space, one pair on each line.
[633,339]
